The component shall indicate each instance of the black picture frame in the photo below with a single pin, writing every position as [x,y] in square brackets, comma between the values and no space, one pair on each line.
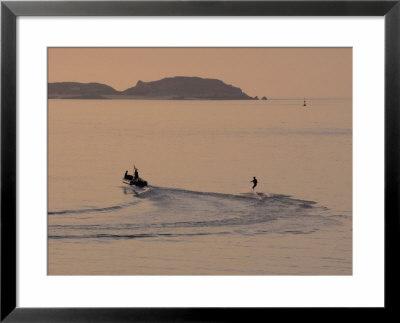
[11,10]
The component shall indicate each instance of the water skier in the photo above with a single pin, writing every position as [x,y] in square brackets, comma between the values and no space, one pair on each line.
[254,181]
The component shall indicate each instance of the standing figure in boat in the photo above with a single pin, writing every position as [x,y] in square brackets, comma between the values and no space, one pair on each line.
[136,174]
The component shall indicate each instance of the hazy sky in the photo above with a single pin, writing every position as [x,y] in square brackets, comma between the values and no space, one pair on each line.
[273,72]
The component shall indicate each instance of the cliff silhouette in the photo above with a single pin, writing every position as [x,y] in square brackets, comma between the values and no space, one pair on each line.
[170,88]
[75,90]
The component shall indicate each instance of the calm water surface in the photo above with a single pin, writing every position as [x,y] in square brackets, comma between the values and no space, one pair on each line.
[199,215]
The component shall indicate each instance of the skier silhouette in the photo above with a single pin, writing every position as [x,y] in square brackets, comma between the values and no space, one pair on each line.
[254,181]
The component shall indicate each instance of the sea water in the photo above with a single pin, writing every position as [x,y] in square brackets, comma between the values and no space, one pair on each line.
[199,215]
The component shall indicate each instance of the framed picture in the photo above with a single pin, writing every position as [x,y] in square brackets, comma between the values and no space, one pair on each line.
[198,161]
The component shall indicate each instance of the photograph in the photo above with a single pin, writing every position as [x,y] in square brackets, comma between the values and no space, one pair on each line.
[199,161]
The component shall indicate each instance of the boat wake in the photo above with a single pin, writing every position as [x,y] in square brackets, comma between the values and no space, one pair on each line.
[171,213]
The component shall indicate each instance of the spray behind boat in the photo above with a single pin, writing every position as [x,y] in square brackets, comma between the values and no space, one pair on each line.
[134,179]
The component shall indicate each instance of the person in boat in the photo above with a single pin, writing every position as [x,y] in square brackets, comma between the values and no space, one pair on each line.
[127,176]
[136,174]
[254,181]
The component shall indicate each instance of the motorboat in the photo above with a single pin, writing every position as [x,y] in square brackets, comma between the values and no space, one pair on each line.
[134,180]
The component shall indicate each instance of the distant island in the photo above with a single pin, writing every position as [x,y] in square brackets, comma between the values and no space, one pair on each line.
[170,88]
